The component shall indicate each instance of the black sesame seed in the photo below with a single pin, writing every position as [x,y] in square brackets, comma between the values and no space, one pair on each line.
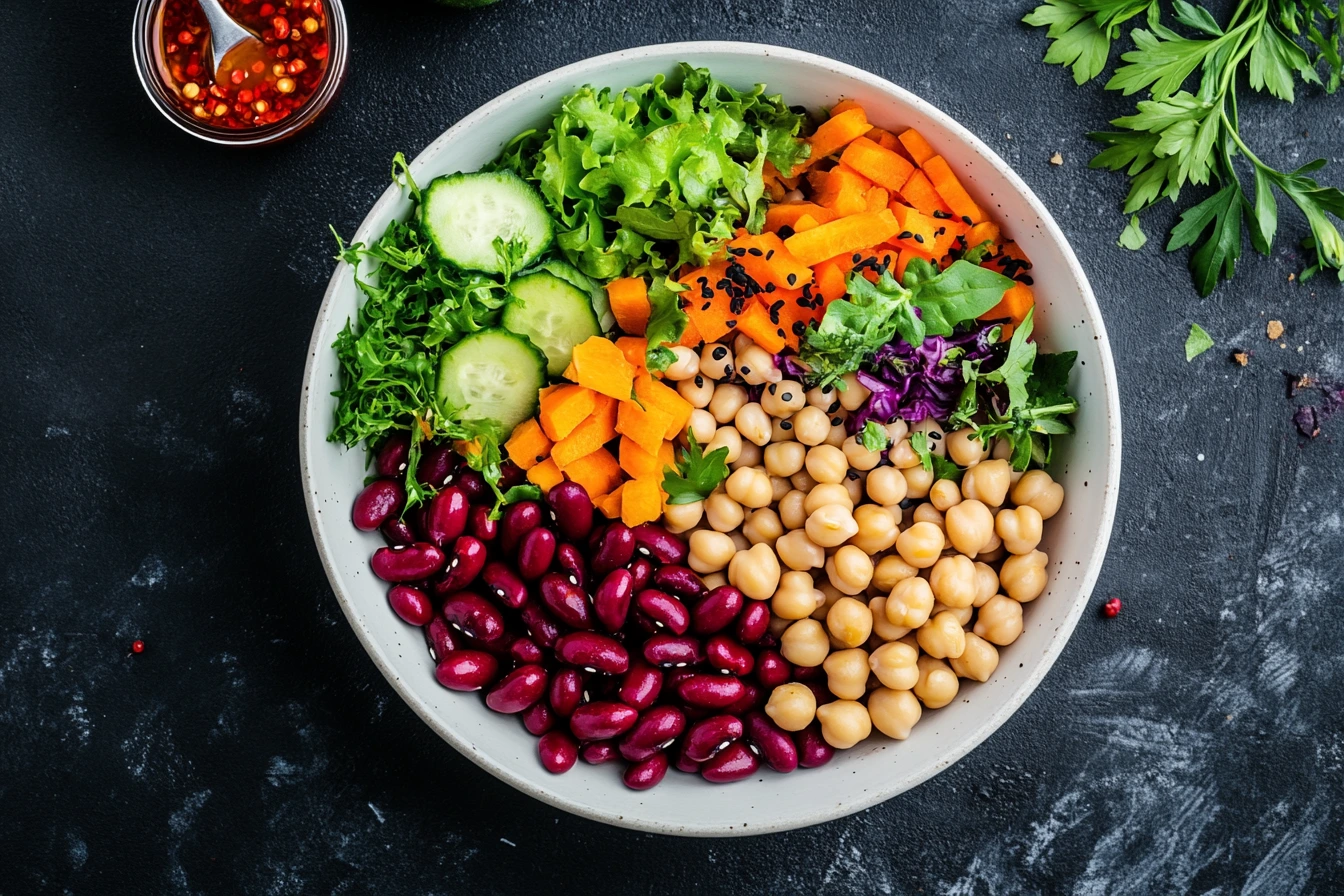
[967,219]
[940,214]
[836,421]
[853,475]
[719,353]
[904,235]
[919,238]
[803,302]
[730,324]
[706,306]
[792,278]
[787,396]
[699,381]
[745,370]
[778,330]
[785,232]
[799,328]
[754,252]
[769,255]
[1026,280]
[835,406]
[773,388]
[785,425]
[769,287]
[727,370]
[857,258]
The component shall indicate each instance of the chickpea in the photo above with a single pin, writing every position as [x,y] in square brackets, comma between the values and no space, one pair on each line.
[883,630]
[728,399]
[792,706]
[859,457]
[741,342]
[965,447]
[714,580]
[757,366]
[910,603]
[1036,489]
[784,458]
[1000,620]
[933,433]
[779,487]
[781,431]
[827,493]
[811,425]
[942,636]
[723,513]
[850,570]
[854,394]
[953,581]
[847,672]
[829,596]
[902,456]
[726,437]
[977,661]
[987,481]
[961,614]
[986,583]
[897,430]
[832,526]
[797,551]
[826,463]
[894,712]
[1023,576]
[854,486]
[993,549]
[686,365]
[1020,528]
[918,481]
[877,530]
[969,525]
[920,545]
[701,425]
[796,598]
[777,625]
[890,570]
[740,541]
[894,665]
[755,572]
[763,527]
[937,685]
[803,481]
[844,723]
[944,494]
[680,518]
[697,390]
[804,643]
[886,485]
[784,398]
[1003,450]
[716,361]
[750,456]
[836,437]
[749,487]
[792,510]
[927,513]
[821,397]
[710,551]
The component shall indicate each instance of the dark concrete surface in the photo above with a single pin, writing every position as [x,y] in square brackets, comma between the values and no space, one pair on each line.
[159,295]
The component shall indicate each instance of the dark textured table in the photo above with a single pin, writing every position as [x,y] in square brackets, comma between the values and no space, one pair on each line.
[161,292]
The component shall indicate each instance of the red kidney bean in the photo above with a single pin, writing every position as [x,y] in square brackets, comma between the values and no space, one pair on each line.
[806,673]
[566,692]
[397,531]
[611,601]
[407,563]
[654,541]
[442,638]
[558,752]
[501,583]
[518,520]
[682,764]
[573,510]
[474,616]
[718,610]
[708,736]
[671,651]
[466,559]
[726,655]
[473,483]
[614,549]
[813,751]
[655,731]
[598,752]
[393,455]
[435,468]
[673,677]
[525,650]
[712,691]
[641,573]
[539,718]
[772,670]
[572,564]
[819,690]
[510,474]
[776,747]
[540,624]
[641,685]
[411,604]
[679,580]
[535,553]
[733,763]
[602,720]
[593,652]
[466,670]
[752,698]
[664,610]
[446,516]
[566,601]
[754,622]
[518,690]
[483,528]
[646,774]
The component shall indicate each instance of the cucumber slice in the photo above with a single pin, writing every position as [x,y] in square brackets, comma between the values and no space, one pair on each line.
[570,274]
[493,374]
[464,214]
[553,314]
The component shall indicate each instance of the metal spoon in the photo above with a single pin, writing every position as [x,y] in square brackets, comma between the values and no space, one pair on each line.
[232,47]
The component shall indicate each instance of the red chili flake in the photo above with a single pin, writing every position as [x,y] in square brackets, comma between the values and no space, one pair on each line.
[1111,608]
[266,9]
[185,37]
[137,646]
[238,76]
[281,26]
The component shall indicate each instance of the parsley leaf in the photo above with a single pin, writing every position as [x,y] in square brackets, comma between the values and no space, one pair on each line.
[874,436]
[940,467]
[1081,31]
[667,322]
[1133,237]
[697,474]
[1197,343]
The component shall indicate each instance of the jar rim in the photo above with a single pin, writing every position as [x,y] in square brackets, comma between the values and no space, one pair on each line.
[142,48]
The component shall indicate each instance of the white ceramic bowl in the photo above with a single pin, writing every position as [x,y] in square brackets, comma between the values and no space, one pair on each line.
[1088,465]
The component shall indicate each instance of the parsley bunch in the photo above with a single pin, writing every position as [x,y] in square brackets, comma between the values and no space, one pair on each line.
[697,474]
[1180,137]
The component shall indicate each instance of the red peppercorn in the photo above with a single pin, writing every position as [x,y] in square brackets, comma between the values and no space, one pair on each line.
[1111,608]
[137,646]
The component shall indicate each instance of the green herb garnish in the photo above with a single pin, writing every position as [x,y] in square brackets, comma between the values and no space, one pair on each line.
[874,436]
[940,467]
[697,474]
[1197,343]
[1133,237]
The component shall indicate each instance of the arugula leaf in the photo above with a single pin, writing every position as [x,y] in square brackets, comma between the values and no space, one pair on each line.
[1197,343]
[874,436]
[1016,368]
[696,475]
[1132,237]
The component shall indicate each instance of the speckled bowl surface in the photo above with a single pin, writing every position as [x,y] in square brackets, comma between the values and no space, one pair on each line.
[1088,465]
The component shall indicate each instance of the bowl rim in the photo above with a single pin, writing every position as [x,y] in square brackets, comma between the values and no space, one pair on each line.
[821,812]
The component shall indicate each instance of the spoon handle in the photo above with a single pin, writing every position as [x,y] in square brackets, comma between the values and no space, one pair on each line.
[225,33]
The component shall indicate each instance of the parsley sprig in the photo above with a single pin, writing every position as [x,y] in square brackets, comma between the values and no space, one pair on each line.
[696,475]
[1181,136]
